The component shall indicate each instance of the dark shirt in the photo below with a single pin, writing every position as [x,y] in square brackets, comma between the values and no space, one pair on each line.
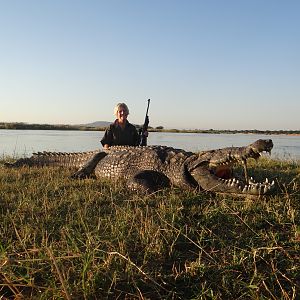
[115,135]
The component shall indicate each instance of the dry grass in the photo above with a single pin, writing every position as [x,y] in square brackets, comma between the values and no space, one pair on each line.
[71,239]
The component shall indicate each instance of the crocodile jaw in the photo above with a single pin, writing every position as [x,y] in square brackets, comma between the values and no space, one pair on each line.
[209,182]
[203,170]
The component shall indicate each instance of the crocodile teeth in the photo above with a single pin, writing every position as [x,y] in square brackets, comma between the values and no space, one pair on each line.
[251,180]
[255,188]
[245,189]
[258,188]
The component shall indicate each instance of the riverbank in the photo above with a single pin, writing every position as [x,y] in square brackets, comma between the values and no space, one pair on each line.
[86,239]
[28,126]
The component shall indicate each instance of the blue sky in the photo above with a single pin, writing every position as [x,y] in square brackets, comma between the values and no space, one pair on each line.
[204,64]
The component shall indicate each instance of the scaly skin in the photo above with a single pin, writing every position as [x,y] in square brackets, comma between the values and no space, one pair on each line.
[40,159]
[154,167]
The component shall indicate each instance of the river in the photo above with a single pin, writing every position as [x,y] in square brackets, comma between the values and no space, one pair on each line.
[20,143]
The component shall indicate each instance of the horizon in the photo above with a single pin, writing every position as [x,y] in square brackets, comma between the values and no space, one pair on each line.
[154,127]
[227,65]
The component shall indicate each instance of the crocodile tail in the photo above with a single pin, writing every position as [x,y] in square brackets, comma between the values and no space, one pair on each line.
[19,163]
[64,159]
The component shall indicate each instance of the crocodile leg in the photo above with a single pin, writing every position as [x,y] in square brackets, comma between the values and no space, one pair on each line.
[148,181]
[88,168]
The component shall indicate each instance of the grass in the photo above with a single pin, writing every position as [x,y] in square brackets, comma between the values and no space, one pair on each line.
[86,239]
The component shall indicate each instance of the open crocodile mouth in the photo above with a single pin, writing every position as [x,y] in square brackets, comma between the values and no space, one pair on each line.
[225,168]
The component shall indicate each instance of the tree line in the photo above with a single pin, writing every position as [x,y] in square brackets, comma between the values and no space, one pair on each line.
[28,126]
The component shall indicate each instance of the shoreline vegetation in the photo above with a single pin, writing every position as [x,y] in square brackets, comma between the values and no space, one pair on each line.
[92,239]
[29,126]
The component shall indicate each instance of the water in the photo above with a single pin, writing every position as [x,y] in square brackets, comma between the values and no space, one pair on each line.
[20,143]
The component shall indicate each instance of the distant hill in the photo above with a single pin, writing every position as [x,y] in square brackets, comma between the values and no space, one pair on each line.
[97,124]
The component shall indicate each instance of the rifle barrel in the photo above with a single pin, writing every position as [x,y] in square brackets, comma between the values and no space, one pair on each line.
[147,107]
[143,141]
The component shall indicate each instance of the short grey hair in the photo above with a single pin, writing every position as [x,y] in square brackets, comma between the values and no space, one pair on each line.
[121,105]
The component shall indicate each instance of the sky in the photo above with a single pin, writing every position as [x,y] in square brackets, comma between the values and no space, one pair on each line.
[219,64]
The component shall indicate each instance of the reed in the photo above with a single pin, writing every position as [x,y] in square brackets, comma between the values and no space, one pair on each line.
[86,239]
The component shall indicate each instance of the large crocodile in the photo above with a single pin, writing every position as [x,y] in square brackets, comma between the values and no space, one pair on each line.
[153,167]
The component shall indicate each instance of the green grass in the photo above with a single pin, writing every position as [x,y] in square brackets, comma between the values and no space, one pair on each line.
[86,239]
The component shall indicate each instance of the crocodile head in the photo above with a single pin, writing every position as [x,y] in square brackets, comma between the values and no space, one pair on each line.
[205,170]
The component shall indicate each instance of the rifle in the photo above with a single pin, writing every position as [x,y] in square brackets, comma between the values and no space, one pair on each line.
[143,138]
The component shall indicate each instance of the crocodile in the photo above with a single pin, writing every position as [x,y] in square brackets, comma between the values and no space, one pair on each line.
[151,168]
